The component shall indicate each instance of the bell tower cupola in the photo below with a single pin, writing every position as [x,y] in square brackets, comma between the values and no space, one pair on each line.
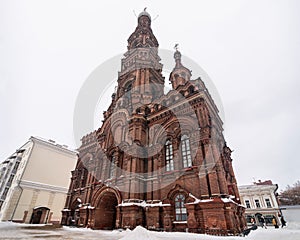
[143,36]
[180,74]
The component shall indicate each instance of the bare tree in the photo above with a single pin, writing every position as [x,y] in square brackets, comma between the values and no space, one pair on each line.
[291,195]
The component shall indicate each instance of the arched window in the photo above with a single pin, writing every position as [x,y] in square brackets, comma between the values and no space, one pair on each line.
[169,156]
[186,151]
[83,177]
[180,209]
[112,166]
[128,93]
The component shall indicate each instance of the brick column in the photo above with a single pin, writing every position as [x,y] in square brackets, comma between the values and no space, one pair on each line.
[152,217]
[132,216]
[168,218]
[192,219]
[118,217]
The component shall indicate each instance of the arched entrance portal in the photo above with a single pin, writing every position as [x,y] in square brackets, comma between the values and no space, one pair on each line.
[39,215]
[105,212]
[258,218]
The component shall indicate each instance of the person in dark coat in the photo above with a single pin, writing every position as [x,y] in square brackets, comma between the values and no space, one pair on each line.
[263,222]
[283,222]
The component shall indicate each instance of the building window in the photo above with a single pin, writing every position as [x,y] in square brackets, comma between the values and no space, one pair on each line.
[76,177]
[257,204]
[186,151]
[180,209]
[5,193]
[83,177]
[112,166]
[169,156]
[9,182]
[268,203]
[128,93]
[16,167]
[247,202]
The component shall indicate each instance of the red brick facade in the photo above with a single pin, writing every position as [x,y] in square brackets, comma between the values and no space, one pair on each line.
[159,160]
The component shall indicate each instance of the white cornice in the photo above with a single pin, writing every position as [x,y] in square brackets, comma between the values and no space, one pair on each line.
[54,146]
[42,186]
[246,188]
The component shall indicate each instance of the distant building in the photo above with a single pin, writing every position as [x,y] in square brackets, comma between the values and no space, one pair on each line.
[34,181]
[260,199]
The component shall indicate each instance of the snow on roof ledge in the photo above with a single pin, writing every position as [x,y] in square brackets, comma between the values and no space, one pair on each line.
[88,207]
[40,207]
[66,210]
[143,204]
[229,199]
[197,200]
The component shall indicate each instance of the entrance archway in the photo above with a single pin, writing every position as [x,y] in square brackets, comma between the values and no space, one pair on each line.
[105,212]
[39,215]
[258,218]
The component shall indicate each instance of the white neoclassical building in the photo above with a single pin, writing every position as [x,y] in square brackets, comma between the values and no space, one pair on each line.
[260,199]
[34,182]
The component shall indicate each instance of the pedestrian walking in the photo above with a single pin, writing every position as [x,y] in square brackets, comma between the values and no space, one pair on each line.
[263,222]
[274,222]
[283,222]
[252,221]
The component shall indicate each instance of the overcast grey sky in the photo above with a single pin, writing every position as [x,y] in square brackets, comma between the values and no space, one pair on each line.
[250,49]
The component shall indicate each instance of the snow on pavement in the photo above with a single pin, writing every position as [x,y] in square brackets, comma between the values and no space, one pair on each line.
[10,231]
[260,234]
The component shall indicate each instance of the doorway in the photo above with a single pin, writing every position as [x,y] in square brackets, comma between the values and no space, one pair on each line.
[39,215]
[105,212]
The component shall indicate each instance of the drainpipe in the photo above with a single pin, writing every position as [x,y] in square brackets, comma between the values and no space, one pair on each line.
[276,197]
[13,214]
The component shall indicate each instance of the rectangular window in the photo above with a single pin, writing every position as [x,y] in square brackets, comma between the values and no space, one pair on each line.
[5,193]
[186,151]
[112,166]
[257,203]
[169,156]
[247,202]
[268,203]
[16,167]
[10,180]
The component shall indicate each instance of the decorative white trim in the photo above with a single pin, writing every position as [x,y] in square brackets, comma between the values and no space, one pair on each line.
[42,186]
[54,146]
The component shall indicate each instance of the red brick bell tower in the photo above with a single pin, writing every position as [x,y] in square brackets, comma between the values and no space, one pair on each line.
[158,160]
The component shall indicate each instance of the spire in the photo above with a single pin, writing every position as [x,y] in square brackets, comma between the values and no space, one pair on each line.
[177,57]
[142,47]
[145,13]
[180,74]
[142,36]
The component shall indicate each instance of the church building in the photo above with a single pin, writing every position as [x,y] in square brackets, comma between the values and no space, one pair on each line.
[159,160]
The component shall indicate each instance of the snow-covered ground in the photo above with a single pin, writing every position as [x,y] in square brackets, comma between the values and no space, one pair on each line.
[10,230]
[21,231]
